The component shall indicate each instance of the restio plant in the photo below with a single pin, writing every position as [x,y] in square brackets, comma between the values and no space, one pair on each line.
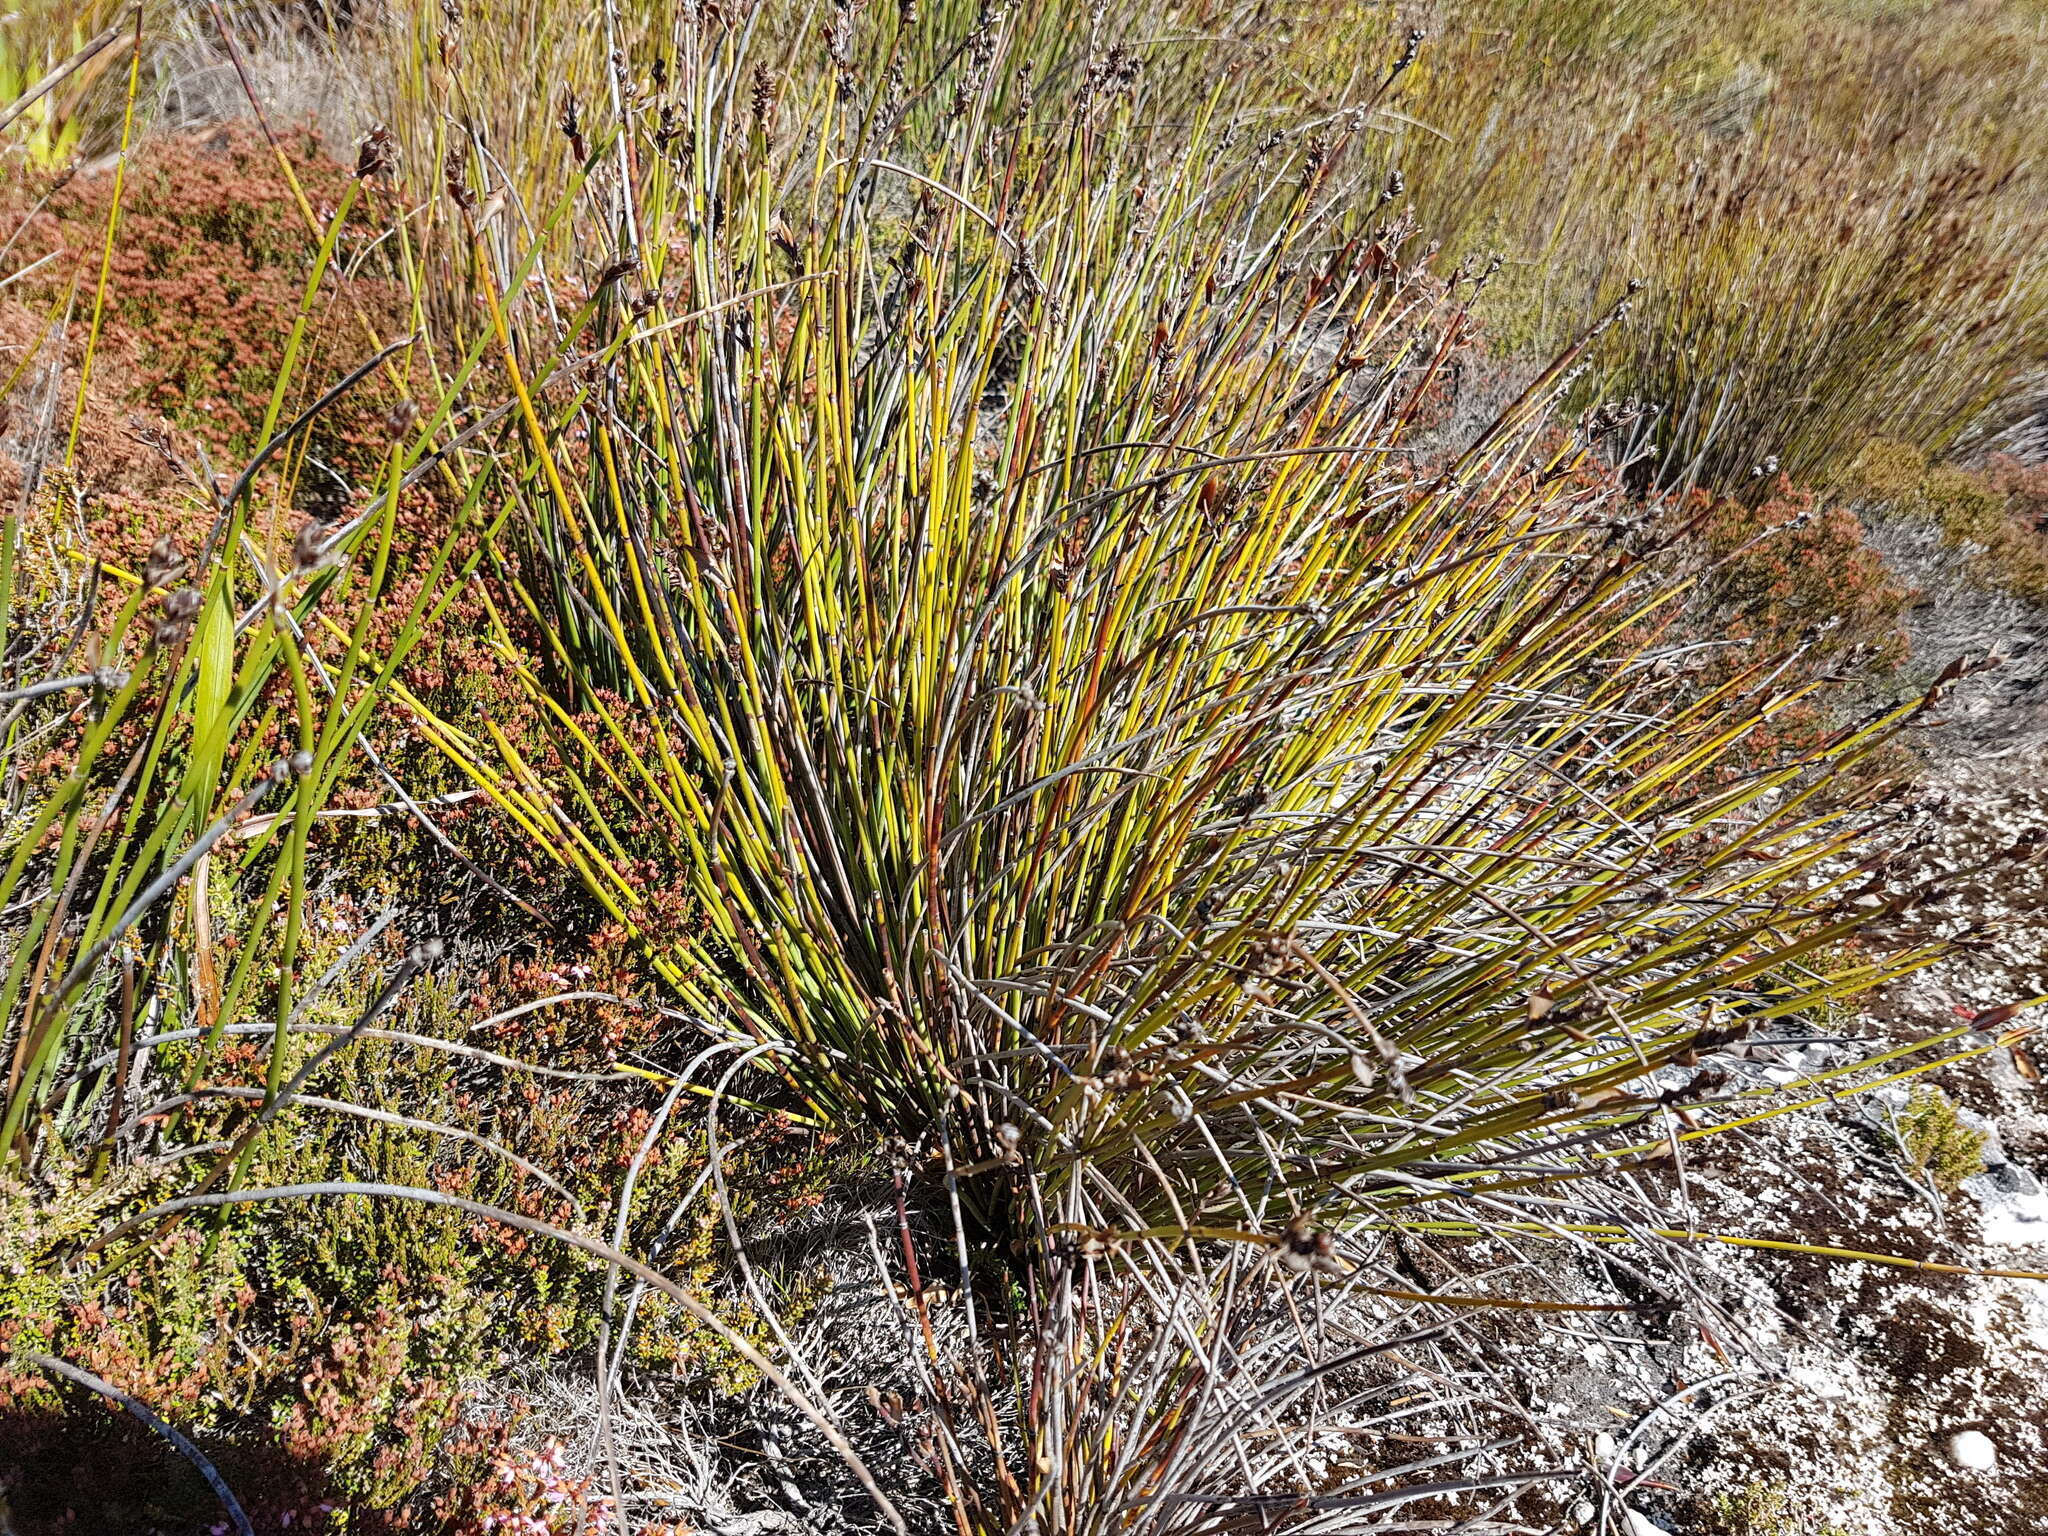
[971,559]
[1835,210]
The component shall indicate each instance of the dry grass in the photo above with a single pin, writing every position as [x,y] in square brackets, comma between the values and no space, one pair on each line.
[1836,208]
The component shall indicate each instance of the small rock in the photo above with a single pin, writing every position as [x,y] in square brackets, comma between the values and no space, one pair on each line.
[2010,1220]
[2012,1178]
[1640,1524]
[1583,1512]
[1972,1450]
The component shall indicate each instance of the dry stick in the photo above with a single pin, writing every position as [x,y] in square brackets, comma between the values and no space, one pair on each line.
[715,1159]
[106,264]
[256,826]
[39,262]
[590,1245]
[931,1344]
[1613,1469]
[125,1054]
[142,1411]
[47,686]
[163,883]
[395,1036]
[35,1017]
[298,424]
[262,119]
[605,1354]
[56,76]
[358,947]
[1360,1505]
[362,1112]
[417,959]
[626,1322]
[1640,1476]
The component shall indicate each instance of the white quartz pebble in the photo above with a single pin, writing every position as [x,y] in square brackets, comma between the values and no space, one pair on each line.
[1973,1450]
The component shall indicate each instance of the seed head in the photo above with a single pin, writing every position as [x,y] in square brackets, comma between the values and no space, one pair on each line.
[377,155]
[178,611]
[163,563]
[571,125]
[1304,1249]
[1271,954]
[309,549]
[456,177]
[839,36]
[1241,807]
[399,419]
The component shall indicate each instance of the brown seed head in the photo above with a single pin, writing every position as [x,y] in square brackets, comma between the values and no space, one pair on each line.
[309,548]
[455,175]
[1304,1249]
[1271,954]
[399,419]
[377,155]
[163,563]
[179,610]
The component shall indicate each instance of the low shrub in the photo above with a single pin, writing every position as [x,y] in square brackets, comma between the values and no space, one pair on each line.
[1992,513]
[209,266]
[1793,572]
[1939,1146]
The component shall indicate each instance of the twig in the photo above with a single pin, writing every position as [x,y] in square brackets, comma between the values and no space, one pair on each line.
[56,76]
[299,423]
[88,962]
[142,1411]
